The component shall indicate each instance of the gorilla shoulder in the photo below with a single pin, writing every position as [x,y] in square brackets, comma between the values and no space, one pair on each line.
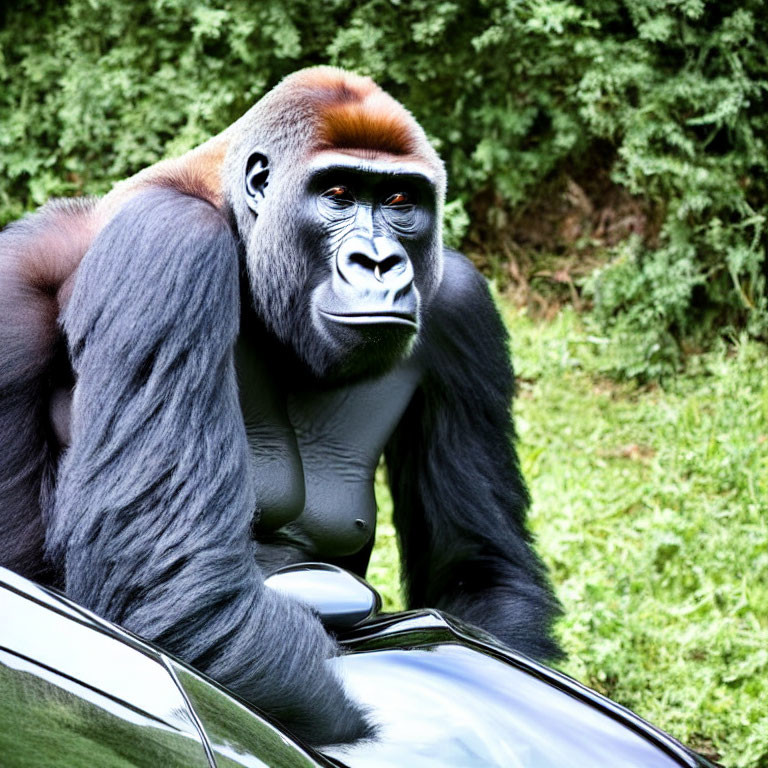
[462,312]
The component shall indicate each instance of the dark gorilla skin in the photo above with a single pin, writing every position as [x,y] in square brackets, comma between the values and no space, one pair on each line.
[314,454]
[366,230]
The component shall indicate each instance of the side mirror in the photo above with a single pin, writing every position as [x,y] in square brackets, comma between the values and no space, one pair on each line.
[341,599]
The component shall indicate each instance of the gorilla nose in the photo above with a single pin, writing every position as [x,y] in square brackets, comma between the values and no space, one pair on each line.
[375,265]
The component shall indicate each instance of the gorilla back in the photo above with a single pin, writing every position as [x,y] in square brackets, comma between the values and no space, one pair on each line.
[153,471]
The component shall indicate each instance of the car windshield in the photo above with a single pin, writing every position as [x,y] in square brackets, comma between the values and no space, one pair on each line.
[449,705]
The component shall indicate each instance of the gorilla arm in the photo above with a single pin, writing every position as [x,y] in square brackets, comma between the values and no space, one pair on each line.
[154,501]
[37,255]
[459,496]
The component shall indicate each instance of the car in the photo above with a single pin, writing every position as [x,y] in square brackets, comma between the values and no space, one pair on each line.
[76,690]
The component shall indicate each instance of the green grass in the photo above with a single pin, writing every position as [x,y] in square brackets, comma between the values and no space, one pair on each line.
[651,510]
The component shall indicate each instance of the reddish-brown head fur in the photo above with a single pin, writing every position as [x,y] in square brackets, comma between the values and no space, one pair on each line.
[355,115]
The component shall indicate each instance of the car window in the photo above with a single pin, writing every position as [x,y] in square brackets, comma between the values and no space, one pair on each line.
[449,705]
[238,736]
[47,719]
[83,689]
[13,582]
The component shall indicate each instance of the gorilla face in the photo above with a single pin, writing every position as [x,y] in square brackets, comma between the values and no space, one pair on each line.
[365,229]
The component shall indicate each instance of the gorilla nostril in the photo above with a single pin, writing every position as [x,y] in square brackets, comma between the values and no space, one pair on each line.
[366,262]
[391,262]
[394,264]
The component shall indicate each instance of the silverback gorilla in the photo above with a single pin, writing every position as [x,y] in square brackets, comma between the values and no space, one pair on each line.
[200,371]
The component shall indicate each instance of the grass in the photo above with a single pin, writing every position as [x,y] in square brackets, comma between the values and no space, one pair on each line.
[651,511]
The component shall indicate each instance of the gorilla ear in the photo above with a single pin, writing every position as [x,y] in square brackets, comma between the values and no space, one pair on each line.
[256,180]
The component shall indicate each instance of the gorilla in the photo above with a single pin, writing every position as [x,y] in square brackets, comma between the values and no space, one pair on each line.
[200,371]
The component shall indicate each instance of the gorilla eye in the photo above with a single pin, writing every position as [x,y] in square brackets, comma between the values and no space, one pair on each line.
[339,194]
[398,199]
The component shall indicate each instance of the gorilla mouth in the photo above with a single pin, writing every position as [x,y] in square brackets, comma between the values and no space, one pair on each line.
[373,318]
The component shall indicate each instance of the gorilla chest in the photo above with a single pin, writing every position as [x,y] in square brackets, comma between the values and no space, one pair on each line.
[314,455]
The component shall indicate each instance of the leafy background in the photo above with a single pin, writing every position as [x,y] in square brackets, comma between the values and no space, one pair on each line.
[612,150]
[606,155]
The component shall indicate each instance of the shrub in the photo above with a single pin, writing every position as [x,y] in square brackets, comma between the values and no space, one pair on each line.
[667,96]
[681,94]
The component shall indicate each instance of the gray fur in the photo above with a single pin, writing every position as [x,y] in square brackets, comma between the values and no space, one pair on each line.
[31,275]
[154,501]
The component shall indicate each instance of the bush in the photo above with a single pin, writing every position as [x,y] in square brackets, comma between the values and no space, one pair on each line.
[668,96]
[681,94]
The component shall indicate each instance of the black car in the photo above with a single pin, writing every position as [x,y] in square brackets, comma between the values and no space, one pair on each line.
[76,691]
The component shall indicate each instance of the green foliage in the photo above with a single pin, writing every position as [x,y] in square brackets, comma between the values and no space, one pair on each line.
[668,96]
[681,94]
[650,507]
[641,300]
